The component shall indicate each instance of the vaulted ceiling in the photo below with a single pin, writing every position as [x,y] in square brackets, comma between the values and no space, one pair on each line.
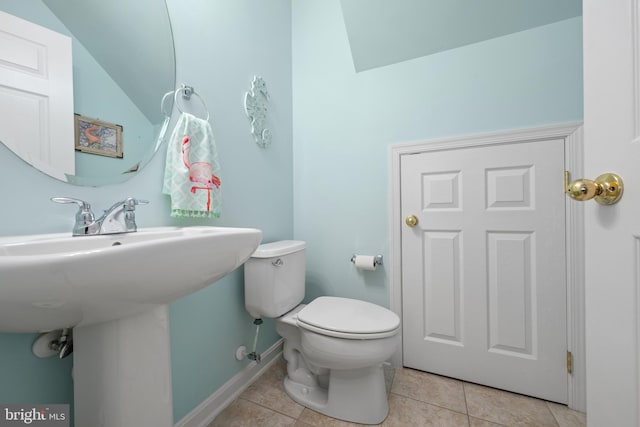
[384,32]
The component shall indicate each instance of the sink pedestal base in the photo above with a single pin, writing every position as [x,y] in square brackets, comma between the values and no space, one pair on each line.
[122,372]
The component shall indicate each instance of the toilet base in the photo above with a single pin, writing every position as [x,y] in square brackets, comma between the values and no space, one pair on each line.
[356,395]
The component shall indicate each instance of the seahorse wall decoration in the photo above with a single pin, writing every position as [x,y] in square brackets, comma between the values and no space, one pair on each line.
[255,105]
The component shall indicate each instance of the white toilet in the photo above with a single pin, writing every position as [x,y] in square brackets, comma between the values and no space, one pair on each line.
[334,347]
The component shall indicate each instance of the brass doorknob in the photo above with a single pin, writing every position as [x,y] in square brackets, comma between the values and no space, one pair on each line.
[582,189]
[411,221]
[606,189]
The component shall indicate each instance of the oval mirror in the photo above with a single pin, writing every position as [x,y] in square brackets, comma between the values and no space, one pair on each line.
[123,63]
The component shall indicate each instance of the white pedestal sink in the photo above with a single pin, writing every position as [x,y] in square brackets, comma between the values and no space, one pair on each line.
[122,372]
[114,290]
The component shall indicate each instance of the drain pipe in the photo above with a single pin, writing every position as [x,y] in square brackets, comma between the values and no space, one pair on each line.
[53,343]
[241,352]
[64,345]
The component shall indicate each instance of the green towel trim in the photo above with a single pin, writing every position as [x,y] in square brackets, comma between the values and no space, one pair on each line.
[183,213]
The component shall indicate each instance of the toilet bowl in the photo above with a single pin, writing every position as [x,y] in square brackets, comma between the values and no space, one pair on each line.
[337,373]
[334,347]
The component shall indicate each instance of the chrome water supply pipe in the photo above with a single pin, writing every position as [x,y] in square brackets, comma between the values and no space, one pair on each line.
[242,352]
[253,355]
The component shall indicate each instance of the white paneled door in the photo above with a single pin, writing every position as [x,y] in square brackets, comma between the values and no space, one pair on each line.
[612,144]
[483,270]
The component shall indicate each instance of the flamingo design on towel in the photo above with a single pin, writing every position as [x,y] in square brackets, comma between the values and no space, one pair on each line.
[199,172]
[192,172]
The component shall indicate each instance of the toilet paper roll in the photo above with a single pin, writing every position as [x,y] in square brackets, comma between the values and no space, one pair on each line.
[365,262]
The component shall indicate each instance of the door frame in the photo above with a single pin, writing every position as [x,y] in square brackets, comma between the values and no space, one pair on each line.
[572,135]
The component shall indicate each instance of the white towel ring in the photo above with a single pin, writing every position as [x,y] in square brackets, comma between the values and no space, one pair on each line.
[188,91]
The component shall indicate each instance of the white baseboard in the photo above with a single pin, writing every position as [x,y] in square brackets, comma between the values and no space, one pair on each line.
[204,413]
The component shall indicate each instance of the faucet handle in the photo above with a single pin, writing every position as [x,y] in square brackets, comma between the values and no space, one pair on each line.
[130,216]
[85,220]
[130,203]
[81,203]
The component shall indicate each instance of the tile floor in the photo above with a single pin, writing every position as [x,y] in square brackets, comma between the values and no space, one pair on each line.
[415,399]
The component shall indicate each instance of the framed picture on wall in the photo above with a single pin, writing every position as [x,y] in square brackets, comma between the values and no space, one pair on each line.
[97,137]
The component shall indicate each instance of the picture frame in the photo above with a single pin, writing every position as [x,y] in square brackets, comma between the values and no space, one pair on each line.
[94,136]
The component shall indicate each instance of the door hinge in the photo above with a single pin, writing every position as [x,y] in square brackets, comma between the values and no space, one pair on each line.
[569,362]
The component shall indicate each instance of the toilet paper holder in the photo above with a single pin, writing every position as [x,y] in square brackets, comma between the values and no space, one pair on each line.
[377,260]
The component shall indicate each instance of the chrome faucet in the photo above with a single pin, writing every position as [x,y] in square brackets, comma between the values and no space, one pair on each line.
[119,218]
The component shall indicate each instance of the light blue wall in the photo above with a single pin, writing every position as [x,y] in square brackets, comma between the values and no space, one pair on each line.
[344,123]
[220,46]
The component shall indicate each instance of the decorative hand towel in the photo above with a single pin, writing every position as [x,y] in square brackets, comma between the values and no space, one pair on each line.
[192,171]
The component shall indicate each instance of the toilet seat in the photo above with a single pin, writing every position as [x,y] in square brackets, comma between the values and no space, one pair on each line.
[348,318]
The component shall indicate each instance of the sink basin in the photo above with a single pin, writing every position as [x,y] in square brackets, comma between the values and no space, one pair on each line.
[51,281]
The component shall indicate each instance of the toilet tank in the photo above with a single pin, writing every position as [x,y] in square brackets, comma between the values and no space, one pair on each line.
[274,278]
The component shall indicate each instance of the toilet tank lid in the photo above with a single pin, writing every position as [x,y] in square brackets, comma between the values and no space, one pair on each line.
[279,248]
